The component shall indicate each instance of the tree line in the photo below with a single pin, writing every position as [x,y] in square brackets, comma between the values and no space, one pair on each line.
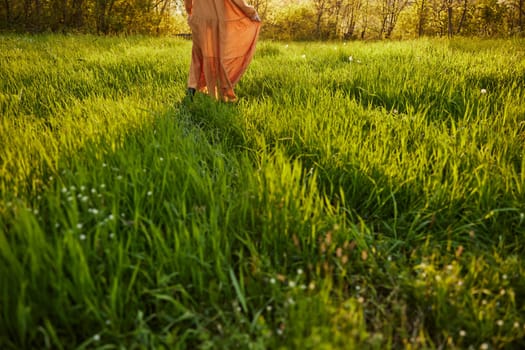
[92,16]
[283,19]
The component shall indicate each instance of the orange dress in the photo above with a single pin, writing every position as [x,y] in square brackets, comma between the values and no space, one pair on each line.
[224,38]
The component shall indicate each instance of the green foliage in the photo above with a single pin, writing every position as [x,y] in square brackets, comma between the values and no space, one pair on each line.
[293,22]
[92,16]
[364,195]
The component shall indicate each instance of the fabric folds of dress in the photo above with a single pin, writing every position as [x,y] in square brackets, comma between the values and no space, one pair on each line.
[224,39]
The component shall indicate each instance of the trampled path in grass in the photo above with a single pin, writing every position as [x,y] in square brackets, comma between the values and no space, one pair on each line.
[359,195]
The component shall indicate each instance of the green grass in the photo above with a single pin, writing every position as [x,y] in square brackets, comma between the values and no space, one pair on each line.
[359,195]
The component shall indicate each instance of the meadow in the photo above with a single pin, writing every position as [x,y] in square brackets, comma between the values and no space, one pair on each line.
[360,195]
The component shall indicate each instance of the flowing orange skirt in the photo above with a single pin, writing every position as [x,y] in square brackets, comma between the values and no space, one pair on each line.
[224,40]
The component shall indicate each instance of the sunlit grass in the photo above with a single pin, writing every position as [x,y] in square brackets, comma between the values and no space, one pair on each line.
[359,195]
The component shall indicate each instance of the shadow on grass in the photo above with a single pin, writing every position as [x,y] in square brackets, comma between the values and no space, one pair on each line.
[399,210]
[219,120]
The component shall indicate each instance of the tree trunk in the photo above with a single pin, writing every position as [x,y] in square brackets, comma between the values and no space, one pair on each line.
[421,21]
[104,10]
[38,19]
[390,27]
[161,13]
[520,16]
[384,18]
[365,22]
[349,17]
[7,13]
[337,16]
[463,16]
[320,7]
[77,14]
[318,23]
[28,14]
[449,18]
[27,10]
[65,19]
[101,16]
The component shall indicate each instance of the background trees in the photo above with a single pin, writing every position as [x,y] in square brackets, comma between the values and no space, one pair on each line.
[98,16]
[284,19]
[379,19]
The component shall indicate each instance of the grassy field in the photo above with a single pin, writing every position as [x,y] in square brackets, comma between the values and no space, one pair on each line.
[358,196]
